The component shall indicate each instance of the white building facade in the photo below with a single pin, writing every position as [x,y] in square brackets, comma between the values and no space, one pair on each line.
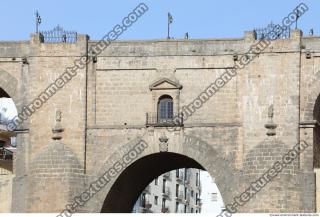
[177,191]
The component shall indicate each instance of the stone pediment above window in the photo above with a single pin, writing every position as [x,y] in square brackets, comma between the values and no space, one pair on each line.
[165,84]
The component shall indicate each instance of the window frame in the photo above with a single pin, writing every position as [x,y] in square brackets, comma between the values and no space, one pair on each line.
[165,109]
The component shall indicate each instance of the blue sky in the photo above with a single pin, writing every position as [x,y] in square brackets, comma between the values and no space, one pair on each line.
[201,18]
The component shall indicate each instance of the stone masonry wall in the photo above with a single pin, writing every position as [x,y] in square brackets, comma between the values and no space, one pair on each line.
[105,105]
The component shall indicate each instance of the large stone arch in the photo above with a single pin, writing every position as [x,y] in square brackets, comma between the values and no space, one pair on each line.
[311,114]
[10,85]
[310,105]
[311,133]
[202,154]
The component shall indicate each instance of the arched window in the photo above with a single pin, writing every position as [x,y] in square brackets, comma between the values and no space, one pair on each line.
[165,108]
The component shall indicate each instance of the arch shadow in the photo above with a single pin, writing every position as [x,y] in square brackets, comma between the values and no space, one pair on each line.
[138,175]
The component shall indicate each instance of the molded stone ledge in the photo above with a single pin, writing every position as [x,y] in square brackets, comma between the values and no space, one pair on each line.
[309,124]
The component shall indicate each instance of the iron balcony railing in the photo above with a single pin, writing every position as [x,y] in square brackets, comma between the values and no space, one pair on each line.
[165,209]
[154,120]
[166,192]
[180,177]
[180,195]
[145,208]
[198,202]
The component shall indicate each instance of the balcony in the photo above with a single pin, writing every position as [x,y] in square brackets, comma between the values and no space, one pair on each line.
[180,196]
[153,121]
[180,177]
[166,193]
[165,209]
[198,203]
[187,198]
[146,207]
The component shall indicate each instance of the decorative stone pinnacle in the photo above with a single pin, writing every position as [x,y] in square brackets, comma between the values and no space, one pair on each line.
[57,129]
[271,126]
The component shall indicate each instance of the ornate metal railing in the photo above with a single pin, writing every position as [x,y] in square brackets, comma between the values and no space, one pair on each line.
[266,33]
[58,35]
[153,120]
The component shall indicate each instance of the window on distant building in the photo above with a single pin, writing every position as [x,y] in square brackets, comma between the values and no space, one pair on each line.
[177,190]
[196,198]
[185,208]
[177,173]
[185,192]
[185,174]
[165,108]
[177,206]
[197,179]
[163,205]
[164,186]
[143,200]
[214,197]
[155,200]
[191,210]
[156,181]
[191,193]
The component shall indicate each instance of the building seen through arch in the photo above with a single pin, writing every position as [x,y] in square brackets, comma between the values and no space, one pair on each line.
[7,150]
[183,98]
[179,191]
[7,138]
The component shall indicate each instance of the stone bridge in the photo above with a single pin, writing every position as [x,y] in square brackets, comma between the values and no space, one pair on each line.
[85,128]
